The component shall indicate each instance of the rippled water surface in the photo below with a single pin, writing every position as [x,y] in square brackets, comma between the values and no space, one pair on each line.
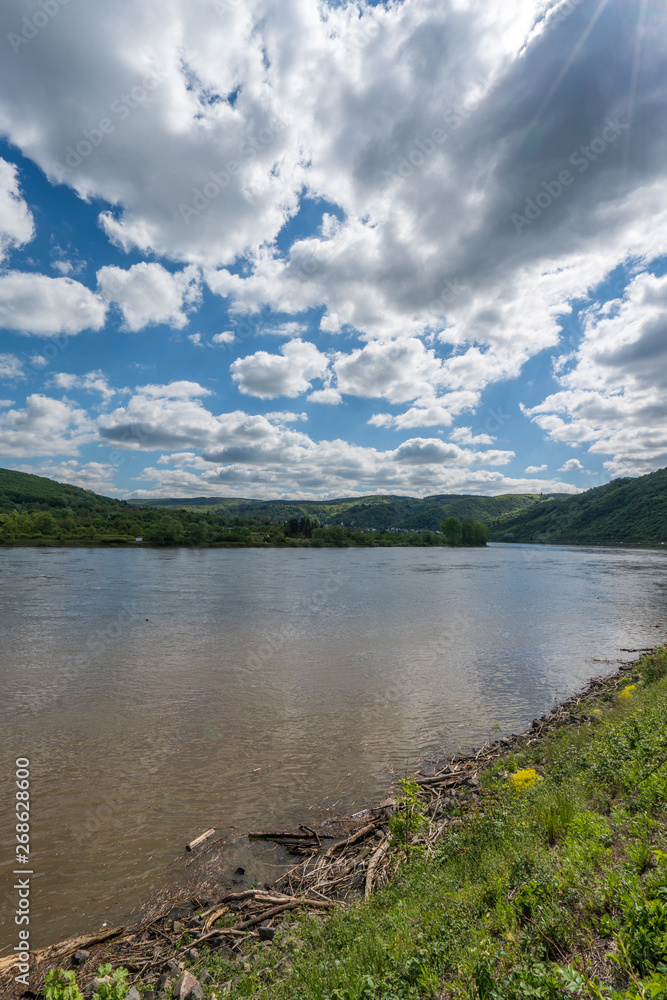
[158,693]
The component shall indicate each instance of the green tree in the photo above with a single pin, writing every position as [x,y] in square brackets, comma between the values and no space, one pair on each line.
[166,531]
[451,529]
[480,533]
[467,533]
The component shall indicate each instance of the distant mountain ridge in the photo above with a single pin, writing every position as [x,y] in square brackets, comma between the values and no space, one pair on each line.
[372,511]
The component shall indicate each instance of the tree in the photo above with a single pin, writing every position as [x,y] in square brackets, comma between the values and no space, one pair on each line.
[451,529]
[467,533]
[480,533]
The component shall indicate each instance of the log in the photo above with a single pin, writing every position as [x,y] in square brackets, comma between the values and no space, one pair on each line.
[359,835]
[67,947]
[375,859]
[275,910]
[282,835]
[199,840]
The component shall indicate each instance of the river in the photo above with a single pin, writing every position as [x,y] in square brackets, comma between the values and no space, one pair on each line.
[160,692]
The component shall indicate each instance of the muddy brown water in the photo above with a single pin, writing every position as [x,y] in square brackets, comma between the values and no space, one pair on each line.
[159,693]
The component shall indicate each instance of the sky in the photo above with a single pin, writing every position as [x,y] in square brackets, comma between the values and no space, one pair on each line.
[281,248]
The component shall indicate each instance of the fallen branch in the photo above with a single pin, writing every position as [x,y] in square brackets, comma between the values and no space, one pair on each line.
[375,859]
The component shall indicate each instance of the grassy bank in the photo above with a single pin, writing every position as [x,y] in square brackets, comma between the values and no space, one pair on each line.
[553,885]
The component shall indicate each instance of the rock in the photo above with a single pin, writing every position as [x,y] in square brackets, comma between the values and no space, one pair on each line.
[193,954]
[95,984]
[162,982]
[80,957]
[266,933]
[173,967]
[378,835]
[179,927]
[133,994]
[188,988]
[149,994]
[224,951]
[204,978]
[194,922]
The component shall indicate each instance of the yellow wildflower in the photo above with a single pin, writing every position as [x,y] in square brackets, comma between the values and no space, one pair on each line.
[524,779]
[627,692]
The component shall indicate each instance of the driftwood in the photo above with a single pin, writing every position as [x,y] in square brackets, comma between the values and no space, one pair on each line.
[375,860]
[199,840]
[64,948]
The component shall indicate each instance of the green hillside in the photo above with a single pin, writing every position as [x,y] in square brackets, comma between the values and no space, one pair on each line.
[380,512]
[22,488]
[625,510]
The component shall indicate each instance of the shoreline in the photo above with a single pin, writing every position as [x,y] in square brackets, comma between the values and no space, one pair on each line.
[356,846]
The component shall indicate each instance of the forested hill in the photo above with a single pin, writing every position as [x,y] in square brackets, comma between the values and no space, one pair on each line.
[22,489]
[380,512]
[625,510]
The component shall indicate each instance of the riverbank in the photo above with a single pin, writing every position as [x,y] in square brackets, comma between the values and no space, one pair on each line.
[514,870]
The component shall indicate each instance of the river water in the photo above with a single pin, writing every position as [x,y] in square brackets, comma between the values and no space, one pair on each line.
[159,693]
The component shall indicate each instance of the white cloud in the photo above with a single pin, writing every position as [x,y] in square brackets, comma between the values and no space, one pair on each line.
[96,476]
[572,465]
[16,220]
[11,367]
[614,386]
[465,435]
[45,426]
[195,338]
[287,374]
[328,395]
[398,371]
[148,294]
[225,337]
[532,469]
[285,417]
[43,306]
[95,381]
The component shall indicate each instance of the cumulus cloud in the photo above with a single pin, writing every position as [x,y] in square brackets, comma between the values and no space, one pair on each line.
[532,469]
[45,426]
[328,395]
[239,451]
[285,417]
[95,381]
[95,476]
[430,127]
[147,294]
[465,435]
[16,221]
[614,385]
[11,367]
[43,306]
[398,371]
[572,465]
[225,337]
[287,374]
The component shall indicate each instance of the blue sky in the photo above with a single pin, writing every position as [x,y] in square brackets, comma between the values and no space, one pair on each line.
[298,250]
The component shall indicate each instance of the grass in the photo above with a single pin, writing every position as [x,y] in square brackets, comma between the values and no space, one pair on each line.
[549,889]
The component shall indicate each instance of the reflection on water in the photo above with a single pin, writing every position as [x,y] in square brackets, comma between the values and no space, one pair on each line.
[158,693]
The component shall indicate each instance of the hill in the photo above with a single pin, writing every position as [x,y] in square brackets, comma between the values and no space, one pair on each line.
[625,510]
[22,489]
[379,512]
